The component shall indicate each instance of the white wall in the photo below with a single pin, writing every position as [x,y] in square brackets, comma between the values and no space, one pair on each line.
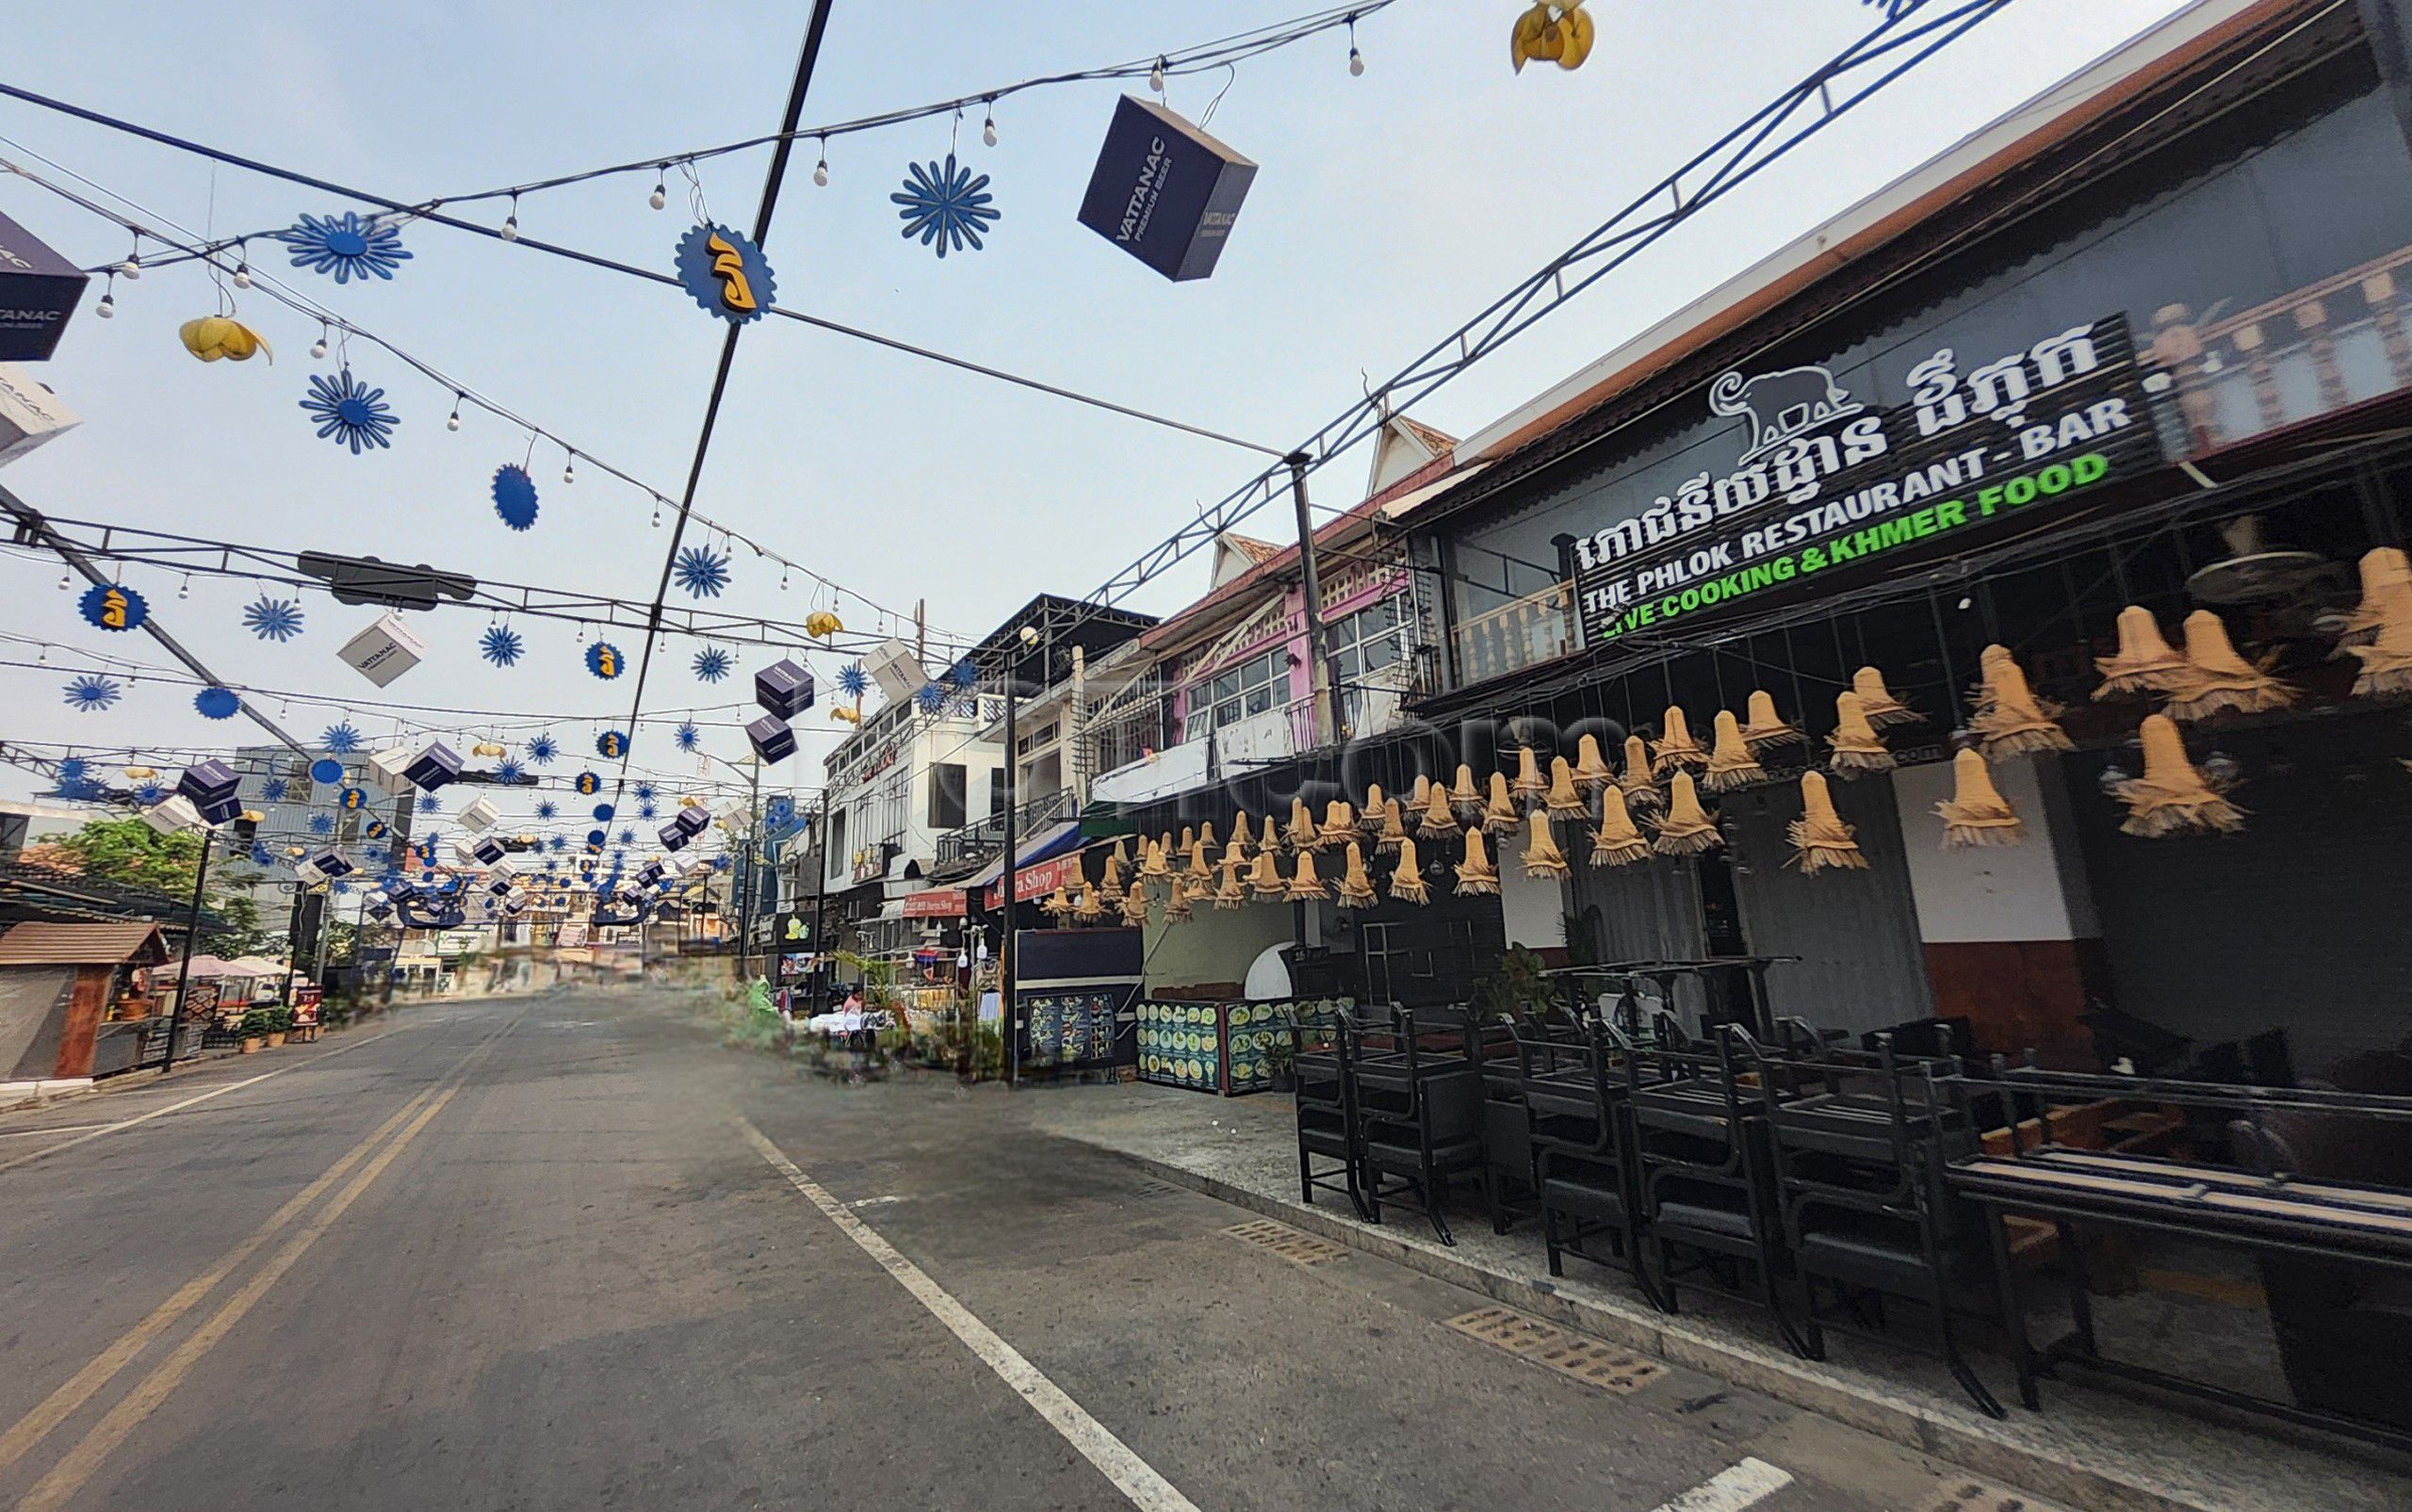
[1215,945]
[2032,892]
[1534,908]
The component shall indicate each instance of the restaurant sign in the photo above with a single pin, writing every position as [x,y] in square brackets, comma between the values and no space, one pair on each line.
[1828,487]
[1039,879]
[935,902]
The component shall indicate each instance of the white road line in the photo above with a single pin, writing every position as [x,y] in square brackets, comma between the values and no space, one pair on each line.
[1732,1489]
[1132,1477]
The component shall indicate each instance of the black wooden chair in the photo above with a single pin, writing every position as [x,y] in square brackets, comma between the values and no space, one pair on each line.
[1583,1150]
[1419,1101]
[1326,1097]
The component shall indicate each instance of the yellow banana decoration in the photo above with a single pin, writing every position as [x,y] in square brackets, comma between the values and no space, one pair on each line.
[821,624]
[213,336]
[1551,32]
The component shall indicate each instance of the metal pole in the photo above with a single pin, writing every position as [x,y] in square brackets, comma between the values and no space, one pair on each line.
[1006,878]
[820,900]
[184,969]
[293,944]
[2383,25]
[1322,696]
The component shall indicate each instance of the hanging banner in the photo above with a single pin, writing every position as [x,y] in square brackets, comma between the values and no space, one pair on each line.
[1829,489]
[937,903]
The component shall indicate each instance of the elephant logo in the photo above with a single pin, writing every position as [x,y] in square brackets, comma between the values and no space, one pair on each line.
[1782,405]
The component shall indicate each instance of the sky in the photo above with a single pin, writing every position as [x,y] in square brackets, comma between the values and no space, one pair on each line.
[1387,208]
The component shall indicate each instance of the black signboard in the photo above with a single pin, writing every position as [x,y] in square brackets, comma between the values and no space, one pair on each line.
[1830,492]
[1165,191]
[38,290]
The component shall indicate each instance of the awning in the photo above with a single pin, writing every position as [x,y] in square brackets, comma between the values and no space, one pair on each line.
[1050,842]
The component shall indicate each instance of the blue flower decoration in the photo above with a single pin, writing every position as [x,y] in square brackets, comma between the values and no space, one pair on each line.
[274,790]
[541,750]
[508,772]
[721,862]
[91,694]
[963,674]
[547,809]
[341,739]
[713,664]
[261,856]
[113,607]
[514,495]
[945,205]
[853,682]
[645,791]
[73,769]
[150,793]
[930,698]
[339,887]
[349,246]
[428,804]
[273,619]
[603,660]
[350,412]
[701,571]
[217,703]
[688,738]
[646,809]
[628,836]
[322,823]
[501,646]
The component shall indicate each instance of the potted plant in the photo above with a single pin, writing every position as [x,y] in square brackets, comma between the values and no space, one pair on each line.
[255,1030]
[280,1023]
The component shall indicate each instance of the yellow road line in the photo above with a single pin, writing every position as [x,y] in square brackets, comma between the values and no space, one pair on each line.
[67,1476]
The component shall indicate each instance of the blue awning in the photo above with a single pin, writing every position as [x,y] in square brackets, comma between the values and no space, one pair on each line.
[1046,846]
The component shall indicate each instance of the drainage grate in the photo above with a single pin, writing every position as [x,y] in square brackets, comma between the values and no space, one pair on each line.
[1155,1189]
[1976,1496]
[1588,1360]
[1288,1243]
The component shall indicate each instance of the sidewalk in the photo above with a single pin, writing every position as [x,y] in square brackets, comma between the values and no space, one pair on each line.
[2089,1447]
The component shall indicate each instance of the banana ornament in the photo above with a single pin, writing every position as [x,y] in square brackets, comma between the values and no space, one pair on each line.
[213,336]
[1555,33]
[821,624]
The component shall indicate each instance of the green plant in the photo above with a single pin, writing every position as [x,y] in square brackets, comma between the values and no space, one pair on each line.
[1517,988]
[256,1024]
[280,1021]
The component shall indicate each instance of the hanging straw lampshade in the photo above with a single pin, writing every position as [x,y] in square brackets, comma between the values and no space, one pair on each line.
[1369,818]
[1407,877]
[1876,702]
[1134,905]
[1266,881]
[1543,858]
[1187,835]
[1440,815]
[1421,794]
[1618,842]
[1306,883]
[1675,746]
[1113,867]
[1302,836]
[2010,718]
[2146,663]
[1394,828]
[1199,871]
[1239,835]
[1765,729]
[1356,885]
[1820,839]
[2387,660]
[1232,894]
[1465,797]
[2216,678]
[1685,830]
[1591,773]
[1058,903]
[1856,745]
[2172,798]
[1176,906]
[1272,839]
[1976,813]
[1500,816]
[1730,765]
[1640,787]
[1206,832]
[1477,877]
[1339,826]
[1091,908]
[1528,785]
[1563,800]
[2386,594]
[1155,863]
[1121,856]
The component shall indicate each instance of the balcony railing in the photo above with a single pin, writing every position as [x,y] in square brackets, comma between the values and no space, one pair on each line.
[983,838]
[1536,628]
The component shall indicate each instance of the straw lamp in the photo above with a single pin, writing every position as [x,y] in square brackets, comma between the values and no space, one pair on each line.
[1421,794]
[2172,798]
[2145,662]
[2386,594]
[1134,905]
[2217,679]
[1394,828]
[1543,858]
[1339,826]
[1820,839]
[1765,729]
[1592,772]
[1356,886]
[1977,814]
[1266,881]
[1121,854]
[1730,765]
[1477,877]
[1199,870]
[1303,835]
[1440,815]
[1675,746]
[1618,842]
[1059,902]
[1306,883]
[1407,878]
[1500,816]
[1231,895]
[1114,862]
[1176,906]
[2387,662]
[1239,835]
[1641,789]
[1528,785]
[2010,718]
[1369,818]
[1272,840]
[1876,702]
[1563,800]
[1856,745]
[1155,863]
[1206,831]
[1685,830]
[1091,908]
[1187,835]
[1465,798]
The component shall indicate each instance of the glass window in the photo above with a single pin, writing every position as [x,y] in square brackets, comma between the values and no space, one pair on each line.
[1254,687]
[946,796]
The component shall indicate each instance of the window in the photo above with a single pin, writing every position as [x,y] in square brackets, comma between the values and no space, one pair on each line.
[1370,640]
[1254,686]
[996,792]
[946,796]
[841,861]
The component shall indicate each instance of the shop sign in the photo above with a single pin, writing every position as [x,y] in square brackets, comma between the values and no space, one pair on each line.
[937,903]
[1039,880]
[1828,487]
[38,290]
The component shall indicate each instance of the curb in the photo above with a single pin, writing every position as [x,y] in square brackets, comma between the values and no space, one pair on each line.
[1962,1443]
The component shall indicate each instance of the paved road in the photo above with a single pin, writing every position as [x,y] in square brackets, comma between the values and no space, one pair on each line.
[572,1252]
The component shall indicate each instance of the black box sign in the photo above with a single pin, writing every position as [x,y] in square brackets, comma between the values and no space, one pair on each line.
[38,290]
[1165,191]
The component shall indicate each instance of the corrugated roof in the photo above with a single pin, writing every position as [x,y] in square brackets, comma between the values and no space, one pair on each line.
[83,945]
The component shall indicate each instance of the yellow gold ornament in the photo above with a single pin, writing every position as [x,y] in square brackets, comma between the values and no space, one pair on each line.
[215,336]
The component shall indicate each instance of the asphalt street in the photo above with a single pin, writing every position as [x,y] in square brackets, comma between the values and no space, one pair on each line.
[576,1252]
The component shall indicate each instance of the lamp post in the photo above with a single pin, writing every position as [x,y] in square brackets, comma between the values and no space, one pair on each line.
[1323,693]
[1006,955]
[742,892]
[192,932]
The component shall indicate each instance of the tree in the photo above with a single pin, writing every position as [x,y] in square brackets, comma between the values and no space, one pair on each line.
[129,851]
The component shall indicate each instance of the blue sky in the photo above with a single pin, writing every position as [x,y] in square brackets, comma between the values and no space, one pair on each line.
[1387,208]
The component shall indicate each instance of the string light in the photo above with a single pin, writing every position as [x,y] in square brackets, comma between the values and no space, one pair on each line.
[454,423]
[988,125]
[131,268]
[657,512]
[660,195]
[1156,76]
[106,309]
[63,581]
[1356,59]
[242,266]
[569,469]
[319,348]
[510,222]
[184,590]
[821,169]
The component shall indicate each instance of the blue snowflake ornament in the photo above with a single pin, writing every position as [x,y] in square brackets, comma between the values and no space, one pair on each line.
[963,674]
[427,804]
[514,495]
[349,246]
[645,791]
[273,619]
[945,205]
[261,856]
[547,809]
[150,793]
[853,682]
[712,664]
[501,646]
[350,412]
[646,809]
[509,773]
[341,739]
[628,836]
[322,823]
[688,738]
[930,698]
[217,703]
[701,571]
[274,790]
[91,694]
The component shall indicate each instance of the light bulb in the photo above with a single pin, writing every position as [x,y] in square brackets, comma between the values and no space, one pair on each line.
[454,422]
[62,582]
[131,268]
[660,195]
[1156,76]
[988,129]
[319,348]
[510,228]
[242,275]
[106,309]
[821,174]
[1356,63]
[569,470]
